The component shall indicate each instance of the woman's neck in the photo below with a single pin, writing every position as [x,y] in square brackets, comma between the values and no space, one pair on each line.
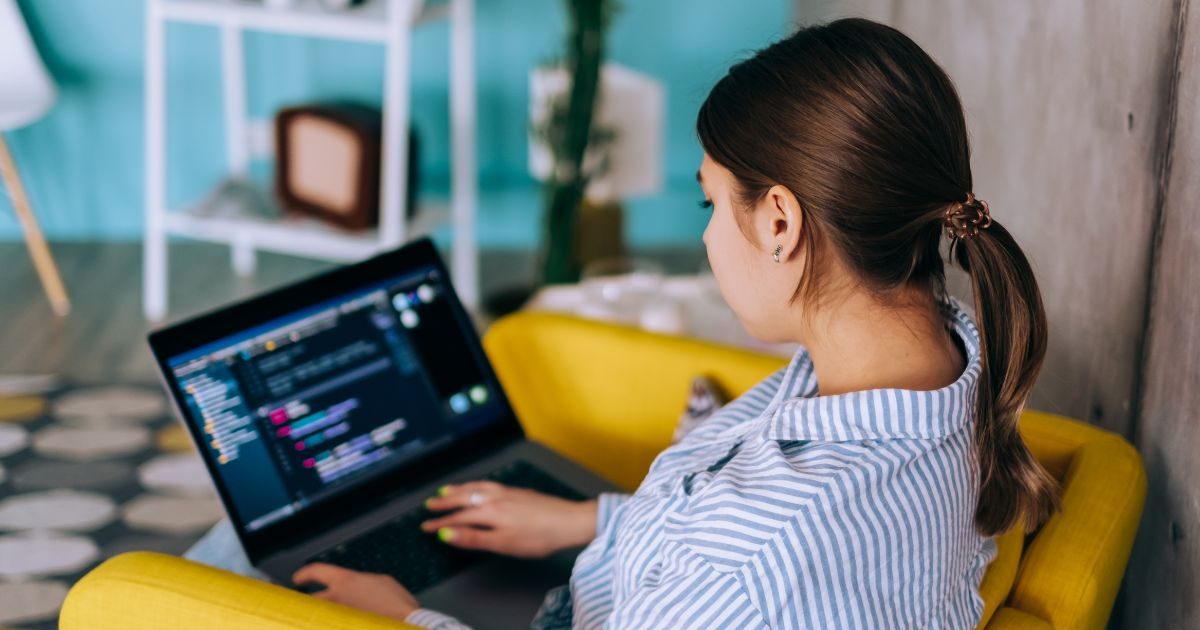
[858,343]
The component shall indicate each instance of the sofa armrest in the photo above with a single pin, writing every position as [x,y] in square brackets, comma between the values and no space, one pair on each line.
[1073,565]
[142,590]
[606,395]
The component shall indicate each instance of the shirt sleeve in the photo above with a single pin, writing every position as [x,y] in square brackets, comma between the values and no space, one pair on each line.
[433,620]
[606,504]
[688,594]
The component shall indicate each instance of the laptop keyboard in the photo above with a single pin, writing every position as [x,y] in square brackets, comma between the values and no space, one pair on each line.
[418,560]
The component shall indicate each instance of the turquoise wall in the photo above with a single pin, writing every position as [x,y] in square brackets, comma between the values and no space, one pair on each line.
[82,163]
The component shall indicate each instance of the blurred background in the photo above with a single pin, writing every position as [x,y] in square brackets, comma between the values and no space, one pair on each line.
[146,138]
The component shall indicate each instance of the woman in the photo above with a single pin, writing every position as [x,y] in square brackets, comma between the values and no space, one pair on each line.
[861,485]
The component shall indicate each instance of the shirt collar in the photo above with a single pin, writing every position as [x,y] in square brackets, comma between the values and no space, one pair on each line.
[797,413]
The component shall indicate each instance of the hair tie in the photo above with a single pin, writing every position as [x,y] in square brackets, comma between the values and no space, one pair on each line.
[965,218]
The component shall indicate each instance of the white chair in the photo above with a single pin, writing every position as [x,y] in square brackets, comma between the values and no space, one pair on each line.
[26,92]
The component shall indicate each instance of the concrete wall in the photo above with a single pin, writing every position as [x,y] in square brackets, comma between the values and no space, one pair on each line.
[1072,106]
[1163,583]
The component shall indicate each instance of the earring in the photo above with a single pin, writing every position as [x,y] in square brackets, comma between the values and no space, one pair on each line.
[778,250]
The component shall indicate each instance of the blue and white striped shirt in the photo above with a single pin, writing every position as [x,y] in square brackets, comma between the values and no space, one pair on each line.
[790,510]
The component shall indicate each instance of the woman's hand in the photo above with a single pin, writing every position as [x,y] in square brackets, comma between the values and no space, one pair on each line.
[510,521]
[372,592]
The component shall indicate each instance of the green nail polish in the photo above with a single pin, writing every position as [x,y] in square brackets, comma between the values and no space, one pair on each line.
[445,534]
[427,502]
[442,490]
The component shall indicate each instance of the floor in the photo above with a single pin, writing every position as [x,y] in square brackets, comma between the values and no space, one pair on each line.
[102,341]
[86,473]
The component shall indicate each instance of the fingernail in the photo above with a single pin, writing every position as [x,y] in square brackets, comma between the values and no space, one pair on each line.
[427,502]
[442,491]
[445,534]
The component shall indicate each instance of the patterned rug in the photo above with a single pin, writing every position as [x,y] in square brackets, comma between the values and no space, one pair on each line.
[88,472]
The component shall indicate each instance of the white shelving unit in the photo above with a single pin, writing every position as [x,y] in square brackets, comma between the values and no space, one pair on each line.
[387,22]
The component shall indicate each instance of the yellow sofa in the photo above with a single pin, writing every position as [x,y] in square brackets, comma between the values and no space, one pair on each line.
[608,397]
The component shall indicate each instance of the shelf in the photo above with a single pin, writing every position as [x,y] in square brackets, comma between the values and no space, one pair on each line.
[305,237]
[368,22]
[386,22]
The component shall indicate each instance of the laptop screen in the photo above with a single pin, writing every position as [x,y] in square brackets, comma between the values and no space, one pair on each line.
[305,406]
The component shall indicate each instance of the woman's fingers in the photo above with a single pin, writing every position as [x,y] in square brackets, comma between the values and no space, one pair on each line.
[468,538]
[322,572]
[470,517]
[446,503]
[457,496]
[512,521]
[374,592]
[464,489]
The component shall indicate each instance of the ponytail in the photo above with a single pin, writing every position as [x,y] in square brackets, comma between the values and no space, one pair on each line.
[1014,488]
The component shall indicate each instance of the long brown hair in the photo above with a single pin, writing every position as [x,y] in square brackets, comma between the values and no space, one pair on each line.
[867,131]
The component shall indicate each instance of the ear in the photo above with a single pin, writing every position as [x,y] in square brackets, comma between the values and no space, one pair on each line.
[779,222]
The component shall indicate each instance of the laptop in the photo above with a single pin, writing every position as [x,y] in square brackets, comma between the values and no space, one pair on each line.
[328,410]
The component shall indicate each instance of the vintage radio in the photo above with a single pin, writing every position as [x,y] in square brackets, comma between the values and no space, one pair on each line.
[327,163]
